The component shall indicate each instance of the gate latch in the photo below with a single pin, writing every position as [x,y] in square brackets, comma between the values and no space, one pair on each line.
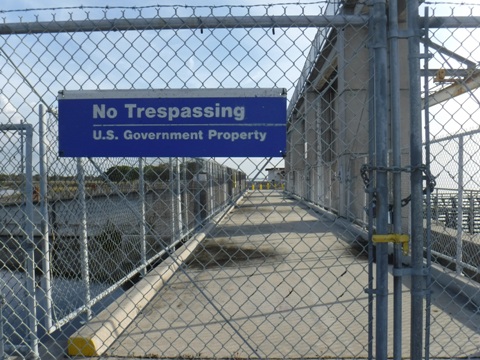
[393,238]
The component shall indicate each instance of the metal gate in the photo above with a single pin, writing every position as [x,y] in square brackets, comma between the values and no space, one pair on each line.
[321,252]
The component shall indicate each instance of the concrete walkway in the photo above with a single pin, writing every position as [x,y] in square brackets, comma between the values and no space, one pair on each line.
[276,280]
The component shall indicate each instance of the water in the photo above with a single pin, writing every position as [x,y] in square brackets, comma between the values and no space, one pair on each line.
[65,218]
[67,296]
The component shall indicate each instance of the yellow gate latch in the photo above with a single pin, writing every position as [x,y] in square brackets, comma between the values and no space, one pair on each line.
[393,238]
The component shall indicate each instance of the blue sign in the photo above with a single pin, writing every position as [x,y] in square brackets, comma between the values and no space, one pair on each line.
[172,123]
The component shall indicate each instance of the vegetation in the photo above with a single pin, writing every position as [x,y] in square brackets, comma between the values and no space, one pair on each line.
[122,173]
[117,174]
[152,173]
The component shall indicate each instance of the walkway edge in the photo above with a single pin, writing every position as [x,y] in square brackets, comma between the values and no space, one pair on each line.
[95,337]
[445,277]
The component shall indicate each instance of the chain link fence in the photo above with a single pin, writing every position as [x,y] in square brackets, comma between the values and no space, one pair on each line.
[303,255]
[451,112]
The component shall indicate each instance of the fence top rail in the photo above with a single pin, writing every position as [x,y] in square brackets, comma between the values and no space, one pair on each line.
[280,21]
[226,22]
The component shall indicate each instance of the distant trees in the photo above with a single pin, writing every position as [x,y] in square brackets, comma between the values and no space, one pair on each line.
[117,173]
[157,172]
[151,173]
[122,173]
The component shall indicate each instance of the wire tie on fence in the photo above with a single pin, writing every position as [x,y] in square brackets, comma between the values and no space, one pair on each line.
[393,238]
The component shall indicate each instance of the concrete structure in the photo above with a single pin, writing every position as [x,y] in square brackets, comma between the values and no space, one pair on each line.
[328,127]
[276,175]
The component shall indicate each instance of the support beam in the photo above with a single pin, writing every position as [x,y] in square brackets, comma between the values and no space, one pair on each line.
[458,88]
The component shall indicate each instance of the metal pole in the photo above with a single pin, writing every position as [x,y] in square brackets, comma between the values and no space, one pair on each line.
[221,22]
[198,206]
[381,136]
[395,111]
[471,214]
[2,339]
[143,225]
[44,226]
[416,178]
[185,192]
[178,195]
[22,161]
[173,213]
[211,171]
[84,235]
[226,199]
[342,110]
[428,279]
[30,243]
[459,252]
[370,192]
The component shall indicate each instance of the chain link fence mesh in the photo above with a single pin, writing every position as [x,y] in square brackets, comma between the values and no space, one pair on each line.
[266,258]
[453,109]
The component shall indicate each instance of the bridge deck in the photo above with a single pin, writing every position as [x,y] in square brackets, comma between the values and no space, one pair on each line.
[275,279]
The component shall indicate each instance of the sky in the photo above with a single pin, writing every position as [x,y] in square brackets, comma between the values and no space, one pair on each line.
[34,4]
[15,4]
[76,59]
[464,109]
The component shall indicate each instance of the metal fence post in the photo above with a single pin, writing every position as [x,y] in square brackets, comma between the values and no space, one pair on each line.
[143,225]
[84,236]
[459,250]
[370,192]
[171,189]
[381,116]
[200,193]
[2,336]
[46,261]
[428,210]
[395,112]
[30,243]
[184,197]
[416,179]
[209,204]
[471,213]
[174,186]
[178,200]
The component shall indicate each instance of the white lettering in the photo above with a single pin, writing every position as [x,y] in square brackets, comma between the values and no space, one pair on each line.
[197,112]
[101,111]
[162,112]
[150,112]
[151,135]
[239,113]
[234,135]
[172,113]
[186,113]
[208,112]
[130,108]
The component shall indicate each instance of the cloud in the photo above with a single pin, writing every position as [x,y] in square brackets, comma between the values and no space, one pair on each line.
[8,112]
